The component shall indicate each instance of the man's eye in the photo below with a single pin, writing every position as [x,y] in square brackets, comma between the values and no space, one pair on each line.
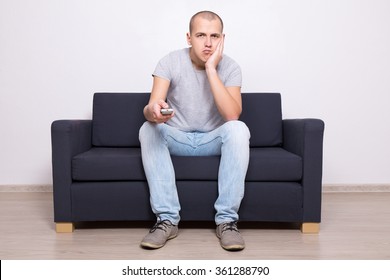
[200,35]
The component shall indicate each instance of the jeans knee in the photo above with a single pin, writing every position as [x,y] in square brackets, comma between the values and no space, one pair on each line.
[238,128]
[146,130]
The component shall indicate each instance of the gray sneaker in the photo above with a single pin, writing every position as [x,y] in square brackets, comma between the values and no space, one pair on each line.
[159,234]
[230,237]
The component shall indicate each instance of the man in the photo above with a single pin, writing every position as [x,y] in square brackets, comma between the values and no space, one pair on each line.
[203,87]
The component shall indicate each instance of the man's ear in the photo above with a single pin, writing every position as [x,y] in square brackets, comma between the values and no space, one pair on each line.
[189,39]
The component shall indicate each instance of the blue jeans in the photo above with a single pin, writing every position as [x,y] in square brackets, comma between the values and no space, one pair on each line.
[159,141]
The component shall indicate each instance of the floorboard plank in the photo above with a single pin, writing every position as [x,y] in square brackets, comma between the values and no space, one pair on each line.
[354,226]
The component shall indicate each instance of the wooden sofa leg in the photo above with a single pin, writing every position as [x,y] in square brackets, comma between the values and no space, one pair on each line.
[310,228]
[64,227]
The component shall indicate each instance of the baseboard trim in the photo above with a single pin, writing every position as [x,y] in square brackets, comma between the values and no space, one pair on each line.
[26,188]
[329,188]
[326,188]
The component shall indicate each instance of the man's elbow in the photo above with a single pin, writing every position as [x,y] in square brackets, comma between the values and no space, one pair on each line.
[232,117]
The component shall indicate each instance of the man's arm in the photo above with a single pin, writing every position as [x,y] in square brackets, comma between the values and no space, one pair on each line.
[227,99]
[157,101]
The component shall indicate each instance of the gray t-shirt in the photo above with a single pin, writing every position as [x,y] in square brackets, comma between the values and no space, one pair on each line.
[189,92]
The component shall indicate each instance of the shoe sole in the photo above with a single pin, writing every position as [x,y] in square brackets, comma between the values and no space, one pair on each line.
[233,247]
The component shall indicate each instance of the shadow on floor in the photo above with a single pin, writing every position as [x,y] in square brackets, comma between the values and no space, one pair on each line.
[185,224]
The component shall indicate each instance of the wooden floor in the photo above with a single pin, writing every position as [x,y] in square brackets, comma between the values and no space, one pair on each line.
[355,226]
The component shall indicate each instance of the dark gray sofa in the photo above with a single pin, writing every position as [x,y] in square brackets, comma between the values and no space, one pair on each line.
[98,173]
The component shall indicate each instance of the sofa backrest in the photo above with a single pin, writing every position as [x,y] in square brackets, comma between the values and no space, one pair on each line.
[117,118]
[262,113]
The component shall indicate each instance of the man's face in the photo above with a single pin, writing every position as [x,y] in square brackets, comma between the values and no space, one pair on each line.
[204,38]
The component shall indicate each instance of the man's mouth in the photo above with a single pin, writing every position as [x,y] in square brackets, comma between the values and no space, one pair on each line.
[207,53]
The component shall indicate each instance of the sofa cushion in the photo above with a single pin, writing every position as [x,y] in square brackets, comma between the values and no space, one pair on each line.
[273,164]
[117,118]
[262,113]
[108,164]
[125,164]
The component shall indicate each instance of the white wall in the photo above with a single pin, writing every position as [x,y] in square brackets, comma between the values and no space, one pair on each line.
[329,59]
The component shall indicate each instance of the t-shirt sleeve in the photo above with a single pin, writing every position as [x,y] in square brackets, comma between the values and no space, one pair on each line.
[163,69]
[230,72]
[234,79]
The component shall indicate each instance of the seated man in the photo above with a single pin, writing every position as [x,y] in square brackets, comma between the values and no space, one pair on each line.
[203,87]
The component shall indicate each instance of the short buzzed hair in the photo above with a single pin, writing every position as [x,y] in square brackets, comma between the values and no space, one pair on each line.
[206,15]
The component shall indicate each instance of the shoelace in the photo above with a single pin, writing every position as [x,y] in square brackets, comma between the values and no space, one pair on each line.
[163,225]
[232,226]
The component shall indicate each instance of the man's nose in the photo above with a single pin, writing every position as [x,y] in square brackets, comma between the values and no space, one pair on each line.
[207,42]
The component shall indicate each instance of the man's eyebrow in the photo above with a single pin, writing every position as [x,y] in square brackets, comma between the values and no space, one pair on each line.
[212,34]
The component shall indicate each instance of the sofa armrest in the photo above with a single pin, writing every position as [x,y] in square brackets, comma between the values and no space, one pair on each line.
[69,137]
[304,137]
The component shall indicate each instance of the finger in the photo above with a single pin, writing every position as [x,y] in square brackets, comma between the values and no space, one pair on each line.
[162,104]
